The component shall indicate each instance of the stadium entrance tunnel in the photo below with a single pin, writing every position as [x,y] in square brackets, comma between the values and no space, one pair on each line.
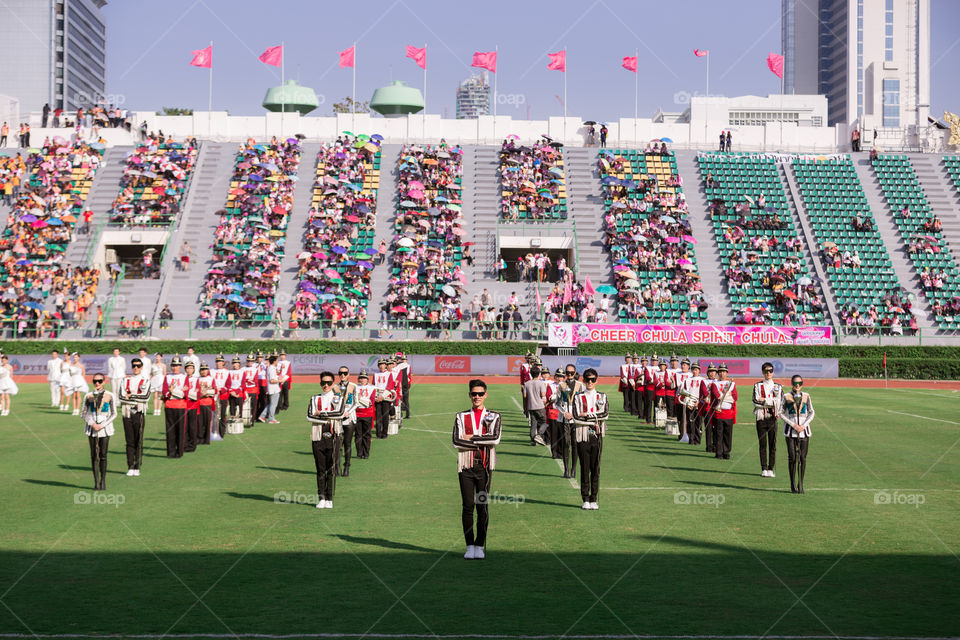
[515,270]
[132,257]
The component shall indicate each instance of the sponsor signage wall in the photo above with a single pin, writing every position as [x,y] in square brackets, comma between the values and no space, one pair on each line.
[568,334]
[313,364]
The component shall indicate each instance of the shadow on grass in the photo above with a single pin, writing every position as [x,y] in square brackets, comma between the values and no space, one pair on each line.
[384,543]
[55,483]
[287,470]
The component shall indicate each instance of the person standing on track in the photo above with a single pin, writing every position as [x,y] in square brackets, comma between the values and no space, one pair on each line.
[476,433]
[725,412]
[134,394]
[535,397]
[325,413]
[590,412]
[98,413]
[767,402]
[797,414]
[366,411]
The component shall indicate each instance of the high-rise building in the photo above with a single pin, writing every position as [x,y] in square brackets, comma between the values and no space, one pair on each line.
[473,97]
[870,58]
[53,52]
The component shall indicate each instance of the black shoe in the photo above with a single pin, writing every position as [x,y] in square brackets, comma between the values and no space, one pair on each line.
[346,472]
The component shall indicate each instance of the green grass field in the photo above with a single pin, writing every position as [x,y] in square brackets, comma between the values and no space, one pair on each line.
[683,544]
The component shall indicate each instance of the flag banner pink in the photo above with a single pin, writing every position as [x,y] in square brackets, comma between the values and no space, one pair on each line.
[775,64]
[568,334]
[419,55]
[567,293]
[272,56]
[558,61]
[202,57]
[346,57]
[539,301]
[588,287]
[700,52]
[485,60]
[630,63]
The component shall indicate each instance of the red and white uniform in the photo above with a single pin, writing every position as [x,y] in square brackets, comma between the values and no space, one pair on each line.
[250,384]
[660,383]
[369,392]
[726,410]
[706,395]
[649,377]
[234,385]
[175,390]
[671,382]
[484,427]
[285,373]
[625,376]
[220,379]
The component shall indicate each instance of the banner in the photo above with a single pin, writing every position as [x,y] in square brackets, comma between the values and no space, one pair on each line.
[308,364]
[567,334]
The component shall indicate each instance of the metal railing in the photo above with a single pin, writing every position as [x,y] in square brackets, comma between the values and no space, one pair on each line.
[111,303]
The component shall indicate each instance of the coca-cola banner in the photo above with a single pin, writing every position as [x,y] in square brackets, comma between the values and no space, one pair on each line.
[568,334]
[313,364]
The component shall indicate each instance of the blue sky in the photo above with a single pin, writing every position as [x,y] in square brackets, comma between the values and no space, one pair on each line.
[149,45]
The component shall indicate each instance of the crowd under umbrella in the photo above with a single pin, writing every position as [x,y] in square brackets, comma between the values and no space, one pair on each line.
[531,178]
[154,181]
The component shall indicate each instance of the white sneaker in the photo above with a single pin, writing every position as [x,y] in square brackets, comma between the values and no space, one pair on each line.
[130,472]
[771,474]
[471,552]
[329,504]
[321,504]
[76,412]
[478,553]
[539,440]
[763,473]
[594,506]
[586,506]
[136,472]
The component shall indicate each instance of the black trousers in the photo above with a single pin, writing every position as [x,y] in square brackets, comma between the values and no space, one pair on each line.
[538,422]
[475,494]
[767,436]
[649,400]
[348,433]
[568,450]
[98,460]
[637,400]
[589,452]
[222,422]
[554,430]
[405,401]
[362,435]
[797,459]
[382,414]
[190,431]
[284,403]
[724,437]
[671,404]
[174,422]
[252,401]
[262,400]
[236,406]
[694,423]
[628,400]
[204,423]
[710,429]
[133,433]
[324,456]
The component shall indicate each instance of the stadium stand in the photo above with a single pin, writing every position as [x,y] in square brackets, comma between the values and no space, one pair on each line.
[854,256]
[426,279]
[338,254]
[54,183]
[952,164]
[251,235]
[154,182]
[768,279]
[649,238]
[920,231]
[532,181]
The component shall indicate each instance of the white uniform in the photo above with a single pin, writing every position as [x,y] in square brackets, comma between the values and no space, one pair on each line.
[54,371]
[104,415]
[157,371]
[195,359]
[116,370]
[7,385]
[77,381]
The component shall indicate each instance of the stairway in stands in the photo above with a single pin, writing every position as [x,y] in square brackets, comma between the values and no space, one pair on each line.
[386,215]
[585,206]
[942,195]
[719,311]
[207,193]
[296,227]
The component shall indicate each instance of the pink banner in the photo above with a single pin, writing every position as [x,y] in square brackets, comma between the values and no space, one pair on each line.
[566,334]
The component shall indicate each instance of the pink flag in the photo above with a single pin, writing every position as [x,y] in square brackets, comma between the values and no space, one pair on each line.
[272,56]
[346,57]
[567,293]
[539,302]
[419,55]
[700,52]
[485,60]
[630,63]
[775,64]
[202,58]
[588,287]
[558,61]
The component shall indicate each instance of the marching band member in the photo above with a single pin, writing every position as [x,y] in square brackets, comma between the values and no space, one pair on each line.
[680,409]
[767,400]
[221,376]
[263,382]
[649,389]
[553,411]
[54,371]
[725,411]
[627,384]
[286,380]
[191,392]
[706,408]
[325,413]
[590,419]
[660,384]
[476,433]
[134,394]
[206,404]
[797,414]
[383,381]
[397,389]
[406,380]
[571,386]
[639,387]
[116,370]
[236,394]
[670,388]
[175,408]
[524,377]
[98,413]
[692,418]
[636,389]
[348,390]
[251,390]
[366,409]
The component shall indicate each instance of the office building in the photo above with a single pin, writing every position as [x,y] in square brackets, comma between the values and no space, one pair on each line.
[473,97]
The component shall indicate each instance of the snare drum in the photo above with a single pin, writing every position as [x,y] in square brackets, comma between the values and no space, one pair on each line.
[672,427]
[234,425]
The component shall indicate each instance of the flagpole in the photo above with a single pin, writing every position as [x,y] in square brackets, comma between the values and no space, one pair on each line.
[564,95]
[706,135]
[210,96]
[424,79]
[496,50]
[283,88]
[636,92]
[353,109]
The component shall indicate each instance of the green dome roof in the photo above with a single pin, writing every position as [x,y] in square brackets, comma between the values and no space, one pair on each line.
[291,97]
[396,99]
